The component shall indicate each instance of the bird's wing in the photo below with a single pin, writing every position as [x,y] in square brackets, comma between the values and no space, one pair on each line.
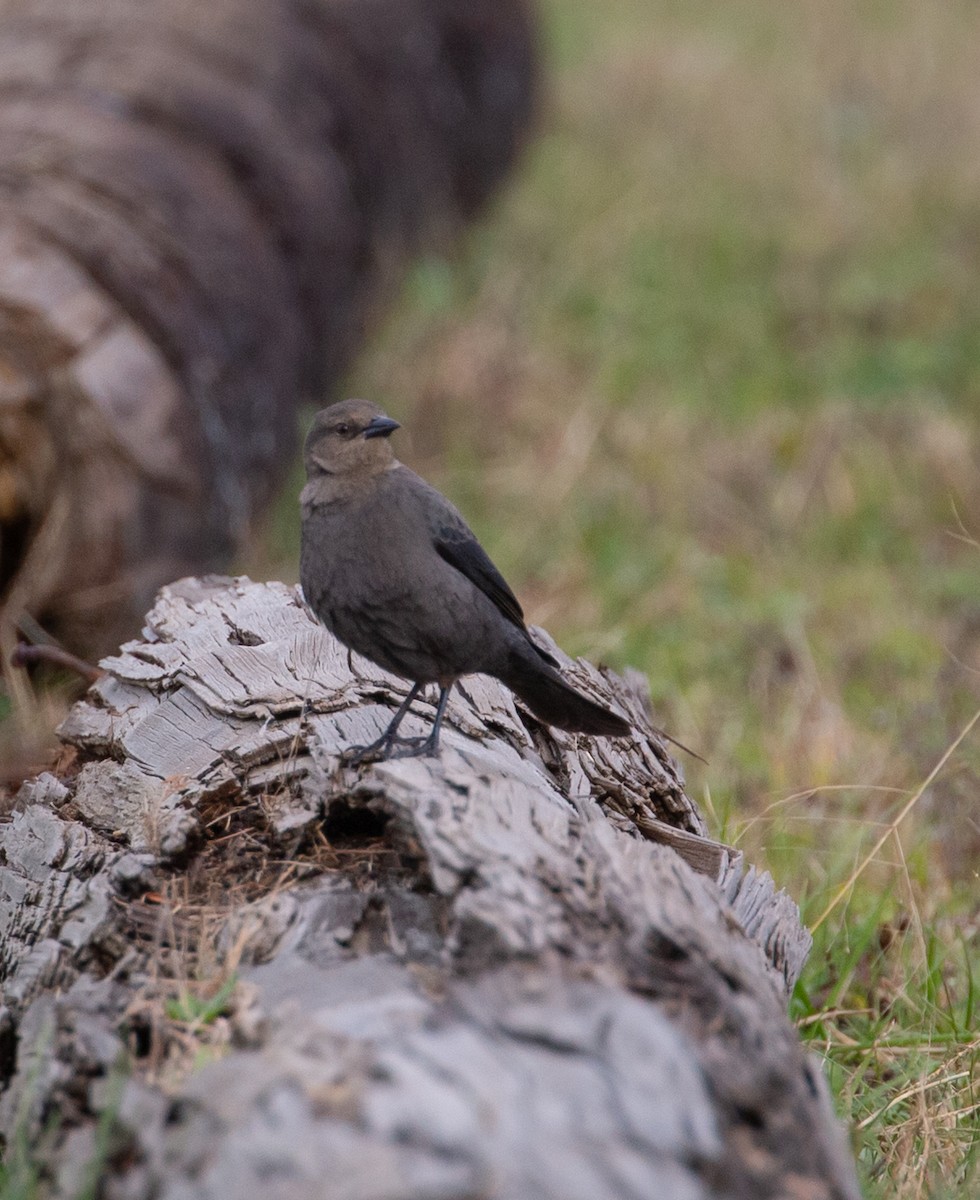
[456,543]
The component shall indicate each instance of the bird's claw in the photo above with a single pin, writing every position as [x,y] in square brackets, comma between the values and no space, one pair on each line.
[353,756]
[414,747]
[390,747]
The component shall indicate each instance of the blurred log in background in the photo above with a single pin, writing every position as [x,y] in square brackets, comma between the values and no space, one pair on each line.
[199,207]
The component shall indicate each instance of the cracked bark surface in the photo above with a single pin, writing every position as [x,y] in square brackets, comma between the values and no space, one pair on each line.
[471,976]
[200,207]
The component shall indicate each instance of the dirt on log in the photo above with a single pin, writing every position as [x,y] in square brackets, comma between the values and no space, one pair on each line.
[233,966]
[199,206]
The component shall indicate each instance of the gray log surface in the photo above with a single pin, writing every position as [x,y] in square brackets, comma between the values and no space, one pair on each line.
[470,976]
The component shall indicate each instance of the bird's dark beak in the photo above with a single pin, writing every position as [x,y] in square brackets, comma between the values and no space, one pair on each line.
[381,427]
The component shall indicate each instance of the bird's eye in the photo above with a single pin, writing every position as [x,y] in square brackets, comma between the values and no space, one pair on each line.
[343,430]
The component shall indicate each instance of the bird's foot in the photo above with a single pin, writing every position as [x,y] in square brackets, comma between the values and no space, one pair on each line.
[390,747]
[353,756]
[418,747]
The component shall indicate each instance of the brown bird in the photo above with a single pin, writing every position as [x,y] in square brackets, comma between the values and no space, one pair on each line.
[393,571]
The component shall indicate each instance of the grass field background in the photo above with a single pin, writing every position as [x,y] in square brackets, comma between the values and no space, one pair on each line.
[706,382]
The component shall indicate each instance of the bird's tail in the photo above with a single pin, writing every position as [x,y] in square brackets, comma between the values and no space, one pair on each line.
[557,703]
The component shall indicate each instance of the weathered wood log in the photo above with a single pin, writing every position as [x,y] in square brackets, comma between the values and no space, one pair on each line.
[200,205]
[457,977]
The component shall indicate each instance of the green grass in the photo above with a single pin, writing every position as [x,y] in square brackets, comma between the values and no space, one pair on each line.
[707,383]
[21,1174]
[195,1010]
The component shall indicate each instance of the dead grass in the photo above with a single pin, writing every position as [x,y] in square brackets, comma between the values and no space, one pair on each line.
[190,934]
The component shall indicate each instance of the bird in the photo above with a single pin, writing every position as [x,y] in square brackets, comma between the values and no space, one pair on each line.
[393,571]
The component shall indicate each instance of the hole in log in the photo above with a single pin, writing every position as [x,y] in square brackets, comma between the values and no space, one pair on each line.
[177,1112]
[8,1049]
[350,825]
[666,949]
[242,857]
[751,1117]
[140,1037]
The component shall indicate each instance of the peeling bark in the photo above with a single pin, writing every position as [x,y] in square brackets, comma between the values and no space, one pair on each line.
[467,976]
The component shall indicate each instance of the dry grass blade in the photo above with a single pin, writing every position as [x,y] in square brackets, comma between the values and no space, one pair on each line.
[893,825]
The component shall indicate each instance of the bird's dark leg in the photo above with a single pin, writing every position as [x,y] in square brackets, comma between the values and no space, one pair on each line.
[389,745]
[417,747]
[383,746]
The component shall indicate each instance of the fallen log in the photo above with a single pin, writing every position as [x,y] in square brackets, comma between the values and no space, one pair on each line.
[475,975]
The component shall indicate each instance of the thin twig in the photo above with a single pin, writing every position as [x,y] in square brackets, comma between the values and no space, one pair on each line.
[680,745]
[24,655]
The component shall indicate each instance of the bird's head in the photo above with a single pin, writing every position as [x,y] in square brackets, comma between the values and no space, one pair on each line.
[349,438]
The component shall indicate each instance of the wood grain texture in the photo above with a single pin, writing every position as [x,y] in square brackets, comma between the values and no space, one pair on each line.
[490,983]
